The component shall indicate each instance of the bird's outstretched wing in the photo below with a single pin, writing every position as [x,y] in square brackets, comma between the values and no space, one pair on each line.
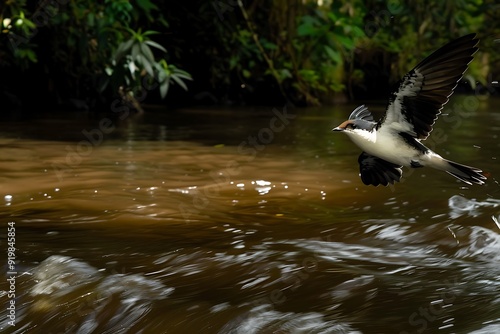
[377,171]
[414,106]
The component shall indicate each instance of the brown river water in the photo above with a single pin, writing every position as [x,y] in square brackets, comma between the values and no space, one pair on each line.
[243,220]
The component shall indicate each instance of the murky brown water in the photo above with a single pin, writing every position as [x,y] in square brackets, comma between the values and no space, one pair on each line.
[244,221]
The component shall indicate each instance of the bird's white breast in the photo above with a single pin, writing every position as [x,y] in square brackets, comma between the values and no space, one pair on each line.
[385,145]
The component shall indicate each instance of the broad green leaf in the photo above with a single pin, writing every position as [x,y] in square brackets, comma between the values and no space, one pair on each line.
[123,48]
[186,77]
[284,73]
[30,24]
[164,88]
[109,70]
[334,55]
[147,53]
[146,5]
[180,72]
[268,45]
[306,29]
[146,64]
[162,75]
[358,32]
[31,55]
[136,50]
[179,82]
[309,19]
[155,45]
[332,16]
[91,19]
[150,32]
[132,68]
[345,41]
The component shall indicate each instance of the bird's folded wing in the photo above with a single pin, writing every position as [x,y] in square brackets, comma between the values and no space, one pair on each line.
[415,105]
[377,171]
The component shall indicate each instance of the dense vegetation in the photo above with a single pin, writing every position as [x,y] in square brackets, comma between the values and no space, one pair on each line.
[85,53]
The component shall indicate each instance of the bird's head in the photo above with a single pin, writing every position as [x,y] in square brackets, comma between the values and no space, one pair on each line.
[349,125]
[359,127]
[359,121]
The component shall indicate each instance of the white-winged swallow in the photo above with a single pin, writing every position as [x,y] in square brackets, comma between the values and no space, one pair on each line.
[395,140]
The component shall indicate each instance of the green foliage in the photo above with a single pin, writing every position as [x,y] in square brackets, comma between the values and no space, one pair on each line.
[17,28]
[303,50]
[311,51]
[329,39]
[419,27]
[91,45]
[134,61]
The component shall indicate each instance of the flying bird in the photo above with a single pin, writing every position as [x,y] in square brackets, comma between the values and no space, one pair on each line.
[396,139]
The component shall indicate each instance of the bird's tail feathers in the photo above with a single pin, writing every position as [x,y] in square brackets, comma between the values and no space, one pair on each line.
[464,173]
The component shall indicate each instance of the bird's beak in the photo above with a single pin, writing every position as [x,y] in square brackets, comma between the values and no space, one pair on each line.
[342,126]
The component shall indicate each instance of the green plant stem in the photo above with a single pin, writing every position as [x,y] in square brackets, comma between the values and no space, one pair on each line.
[261,48]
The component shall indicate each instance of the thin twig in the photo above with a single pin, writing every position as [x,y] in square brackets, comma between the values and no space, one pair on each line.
[255,37]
